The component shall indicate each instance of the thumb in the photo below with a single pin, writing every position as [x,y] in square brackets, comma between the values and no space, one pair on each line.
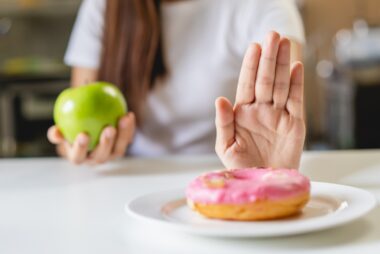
[55,136]
[225,125]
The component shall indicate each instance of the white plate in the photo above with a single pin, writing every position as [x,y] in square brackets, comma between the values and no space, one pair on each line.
[330,205]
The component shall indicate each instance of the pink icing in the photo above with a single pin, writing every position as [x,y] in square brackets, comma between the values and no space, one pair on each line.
[241,186]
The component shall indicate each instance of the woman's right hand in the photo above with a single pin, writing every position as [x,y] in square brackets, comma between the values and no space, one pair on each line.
[112,144]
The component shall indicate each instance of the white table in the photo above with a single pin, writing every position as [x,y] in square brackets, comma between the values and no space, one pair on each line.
[49,206]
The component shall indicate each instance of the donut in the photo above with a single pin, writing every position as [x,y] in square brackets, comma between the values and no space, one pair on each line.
[249,194]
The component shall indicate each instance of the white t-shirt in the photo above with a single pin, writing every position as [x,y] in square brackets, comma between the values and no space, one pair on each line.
[204,44]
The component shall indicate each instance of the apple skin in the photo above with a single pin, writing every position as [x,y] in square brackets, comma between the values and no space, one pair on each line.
[88,109]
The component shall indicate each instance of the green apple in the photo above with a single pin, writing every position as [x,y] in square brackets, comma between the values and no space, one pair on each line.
[88,109]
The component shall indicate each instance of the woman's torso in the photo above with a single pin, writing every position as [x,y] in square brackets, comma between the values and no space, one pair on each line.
[204,43]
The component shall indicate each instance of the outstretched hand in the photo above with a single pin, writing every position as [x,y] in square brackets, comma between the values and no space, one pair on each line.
[265,127]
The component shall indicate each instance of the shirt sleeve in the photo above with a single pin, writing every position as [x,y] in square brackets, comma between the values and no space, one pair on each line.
[85,45]
[281,16]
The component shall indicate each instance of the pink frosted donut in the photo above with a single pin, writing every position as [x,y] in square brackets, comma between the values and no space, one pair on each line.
[249,194]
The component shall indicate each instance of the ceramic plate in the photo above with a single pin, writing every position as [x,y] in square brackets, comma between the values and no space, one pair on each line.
[330,205]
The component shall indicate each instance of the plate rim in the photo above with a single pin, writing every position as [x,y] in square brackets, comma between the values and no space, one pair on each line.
[231,234]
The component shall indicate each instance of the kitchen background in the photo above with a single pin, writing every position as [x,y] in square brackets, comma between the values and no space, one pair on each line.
[342,60]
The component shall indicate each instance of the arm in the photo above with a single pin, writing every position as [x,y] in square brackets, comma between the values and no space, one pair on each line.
[81,76]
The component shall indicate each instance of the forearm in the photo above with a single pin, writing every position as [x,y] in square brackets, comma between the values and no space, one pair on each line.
[81,76]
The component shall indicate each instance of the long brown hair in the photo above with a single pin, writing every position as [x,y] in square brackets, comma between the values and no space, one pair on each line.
[132,56]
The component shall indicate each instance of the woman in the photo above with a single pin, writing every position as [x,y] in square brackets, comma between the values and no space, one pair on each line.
[173,59]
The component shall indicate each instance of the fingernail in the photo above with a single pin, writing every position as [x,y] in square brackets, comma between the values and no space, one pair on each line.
[124,123]
[109,133]
[82,140]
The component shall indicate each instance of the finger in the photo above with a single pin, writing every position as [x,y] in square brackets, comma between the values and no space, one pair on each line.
[282,79]
[126,130]
[224,122]
[55,136]
[102,152]
[267,68]
[294,104]
[77,153]
[62,149]
[246,86]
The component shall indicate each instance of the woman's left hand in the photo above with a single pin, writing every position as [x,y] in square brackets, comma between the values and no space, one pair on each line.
[265,127]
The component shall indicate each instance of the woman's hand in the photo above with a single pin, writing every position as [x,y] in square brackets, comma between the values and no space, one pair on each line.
[265,127]
[113,143]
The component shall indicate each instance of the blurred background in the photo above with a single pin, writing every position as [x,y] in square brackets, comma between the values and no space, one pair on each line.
[342,60]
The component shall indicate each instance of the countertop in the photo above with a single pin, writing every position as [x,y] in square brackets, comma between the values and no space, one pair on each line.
[50,206]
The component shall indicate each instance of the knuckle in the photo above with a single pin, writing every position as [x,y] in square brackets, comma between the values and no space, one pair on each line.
[118,154]
[279,104]
[105,139]
[76,161]
[101,160]
[124,137]
[265,80]
[295,99]
[250,66]
[281,84]
[247,84]
[283,64]
[269,59]
[120,150]
[98,162]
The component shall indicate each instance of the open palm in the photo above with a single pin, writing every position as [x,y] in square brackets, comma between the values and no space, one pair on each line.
[265,127]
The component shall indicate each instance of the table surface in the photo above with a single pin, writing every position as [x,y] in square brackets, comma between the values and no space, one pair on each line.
[50,206]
